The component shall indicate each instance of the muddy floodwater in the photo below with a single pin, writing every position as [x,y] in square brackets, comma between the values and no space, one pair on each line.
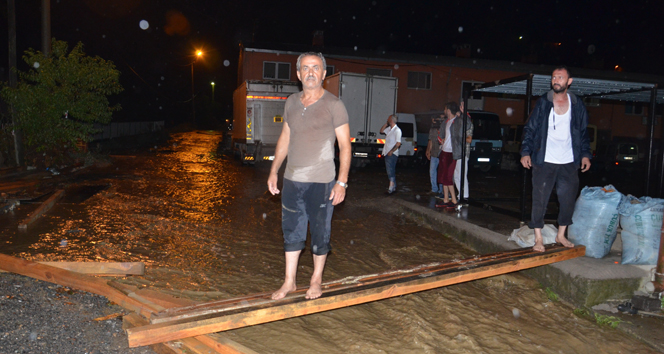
[206,228]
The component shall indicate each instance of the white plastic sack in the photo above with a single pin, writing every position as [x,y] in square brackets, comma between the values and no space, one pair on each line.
[525,236]
[595,220]
[641,222]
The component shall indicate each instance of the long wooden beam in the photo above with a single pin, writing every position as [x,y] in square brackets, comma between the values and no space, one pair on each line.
[176,313]
[71,279]
[46,206]
[100,268]
[344,296]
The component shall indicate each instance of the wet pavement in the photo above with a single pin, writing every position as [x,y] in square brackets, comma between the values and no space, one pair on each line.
[207,229]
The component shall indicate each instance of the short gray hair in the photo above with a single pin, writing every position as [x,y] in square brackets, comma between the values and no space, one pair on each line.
[313,54]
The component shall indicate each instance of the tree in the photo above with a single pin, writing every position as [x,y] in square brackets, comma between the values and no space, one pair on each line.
[60,98]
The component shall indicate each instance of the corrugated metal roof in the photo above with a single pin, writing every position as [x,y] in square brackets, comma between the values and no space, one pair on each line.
[604,89]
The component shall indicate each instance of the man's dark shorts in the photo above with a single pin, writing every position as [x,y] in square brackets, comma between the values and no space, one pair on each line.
[302,204]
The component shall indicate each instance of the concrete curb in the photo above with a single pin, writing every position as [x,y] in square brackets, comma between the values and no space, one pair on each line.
[582,281]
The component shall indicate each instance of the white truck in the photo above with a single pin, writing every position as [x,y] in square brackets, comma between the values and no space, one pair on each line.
[369,100]
[258,108]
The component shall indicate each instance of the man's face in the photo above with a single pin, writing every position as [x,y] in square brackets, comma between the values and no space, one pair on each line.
[311,72]
[560,81]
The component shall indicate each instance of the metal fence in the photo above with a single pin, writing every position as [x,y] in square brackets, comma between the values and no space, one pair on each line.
[116,130]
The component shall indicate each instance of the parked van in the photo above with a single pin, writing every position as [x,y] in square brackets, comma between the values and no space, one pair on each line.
[408,148]
[486,149]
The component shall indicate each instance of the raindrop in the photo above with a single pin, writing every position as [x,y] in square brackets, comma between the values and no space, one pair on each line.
[162,78]
[579,40]
[373,3]
[396,66]
[474,61]
[511,63]
[314,249]
[355,48]
[460,29]
[33,336]
[353,17]
[144,24]
[352,242]
[264,216]
[36,65]
[158,84]
[227,63]
[63,243]
[516,313]
[103,36]
[479,50]
[325,21]
[617,20]
[417,197]
[159,107]
[509,111]
[591,49]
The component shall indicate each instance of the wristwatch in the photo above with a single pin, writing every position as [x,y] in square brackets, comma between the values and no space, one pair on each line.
[345,185]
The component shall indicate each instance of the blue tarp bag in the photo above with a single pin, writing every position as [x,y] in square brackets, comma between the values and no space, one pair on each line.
[641,222]
[595,220]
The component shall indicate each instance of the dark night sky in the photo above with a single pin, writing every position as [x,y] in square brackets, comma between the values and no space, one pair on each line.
[153,62]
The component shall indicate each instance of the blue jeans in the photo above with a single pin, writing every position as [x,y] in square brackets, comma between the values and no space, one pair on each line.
[391,166]
[433,175]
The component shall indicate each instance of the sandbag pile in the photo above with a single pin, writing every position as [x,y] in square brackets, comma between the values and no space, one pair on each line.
[641,223]
[595,220]
[599,211]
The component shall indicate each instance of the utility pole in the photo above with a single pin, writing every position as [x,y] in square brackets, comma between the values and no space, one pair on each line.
[46,27]
[13,80]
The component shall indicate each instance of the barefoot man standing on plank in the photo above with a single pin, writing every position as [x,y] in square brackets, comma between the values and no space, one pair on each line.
[555,143]
[313,119]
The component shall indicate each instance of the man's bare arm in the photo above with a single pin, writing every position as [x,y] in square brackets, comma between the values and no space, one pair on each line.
[343,139]
[279,157]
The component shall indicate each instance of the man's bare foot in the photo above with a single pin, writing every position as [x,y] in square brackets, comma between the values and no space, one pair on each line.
[539,246]
[564,241]
[285,289]
[314,292]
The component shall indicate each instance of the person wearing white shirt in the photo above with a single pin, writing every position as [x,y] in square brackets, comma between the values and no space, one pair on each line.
[391,150]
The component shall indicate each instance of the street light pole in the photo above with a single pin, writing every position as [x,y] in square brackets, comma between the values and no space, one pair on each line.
[212,83]
[193,97]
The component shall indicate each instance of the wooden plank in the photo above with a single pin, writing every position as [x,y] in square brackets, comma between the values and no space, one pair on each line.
[100,268]
[350,296]
[217,342]
[135,320]
[172,314]
[71,279]
[46,206]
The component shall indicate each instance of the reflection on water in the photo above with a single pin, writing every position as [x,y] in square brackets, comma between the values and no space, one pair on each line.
[207,229]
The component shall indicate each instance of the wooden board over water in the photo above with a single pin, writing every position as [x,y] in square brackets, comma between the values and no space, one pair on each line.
[250,310]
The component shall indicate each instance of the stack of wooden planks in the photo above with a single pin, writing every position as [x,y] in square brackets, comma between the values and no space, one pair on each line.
[195,320]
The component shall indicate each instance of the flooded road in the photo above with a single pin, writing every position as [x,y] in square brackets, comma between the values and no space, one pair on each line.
[207,229]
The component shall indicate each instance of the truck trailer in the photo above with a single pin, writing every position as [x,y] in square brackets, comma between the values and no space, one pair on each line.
[369,100]
[258,108]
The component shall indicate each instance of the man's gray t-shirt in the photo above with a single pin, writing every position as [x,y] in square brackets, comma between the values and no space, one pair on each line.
[312,136]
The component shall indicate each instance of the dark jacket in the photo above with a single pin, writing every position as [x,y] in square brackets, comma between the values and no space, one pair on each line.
[456,130]
[536,129]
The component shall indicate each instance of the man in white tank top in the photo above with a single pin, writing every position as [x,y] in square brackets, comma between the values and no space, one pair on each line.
[555,144]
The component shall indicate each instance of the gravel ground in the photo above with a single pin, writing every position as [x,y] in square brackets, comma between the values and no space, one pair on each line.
[41,317]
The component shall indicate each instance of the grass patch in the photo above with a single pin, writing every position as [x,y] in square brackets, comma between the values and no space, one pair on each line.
[602,320]
[551,295]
